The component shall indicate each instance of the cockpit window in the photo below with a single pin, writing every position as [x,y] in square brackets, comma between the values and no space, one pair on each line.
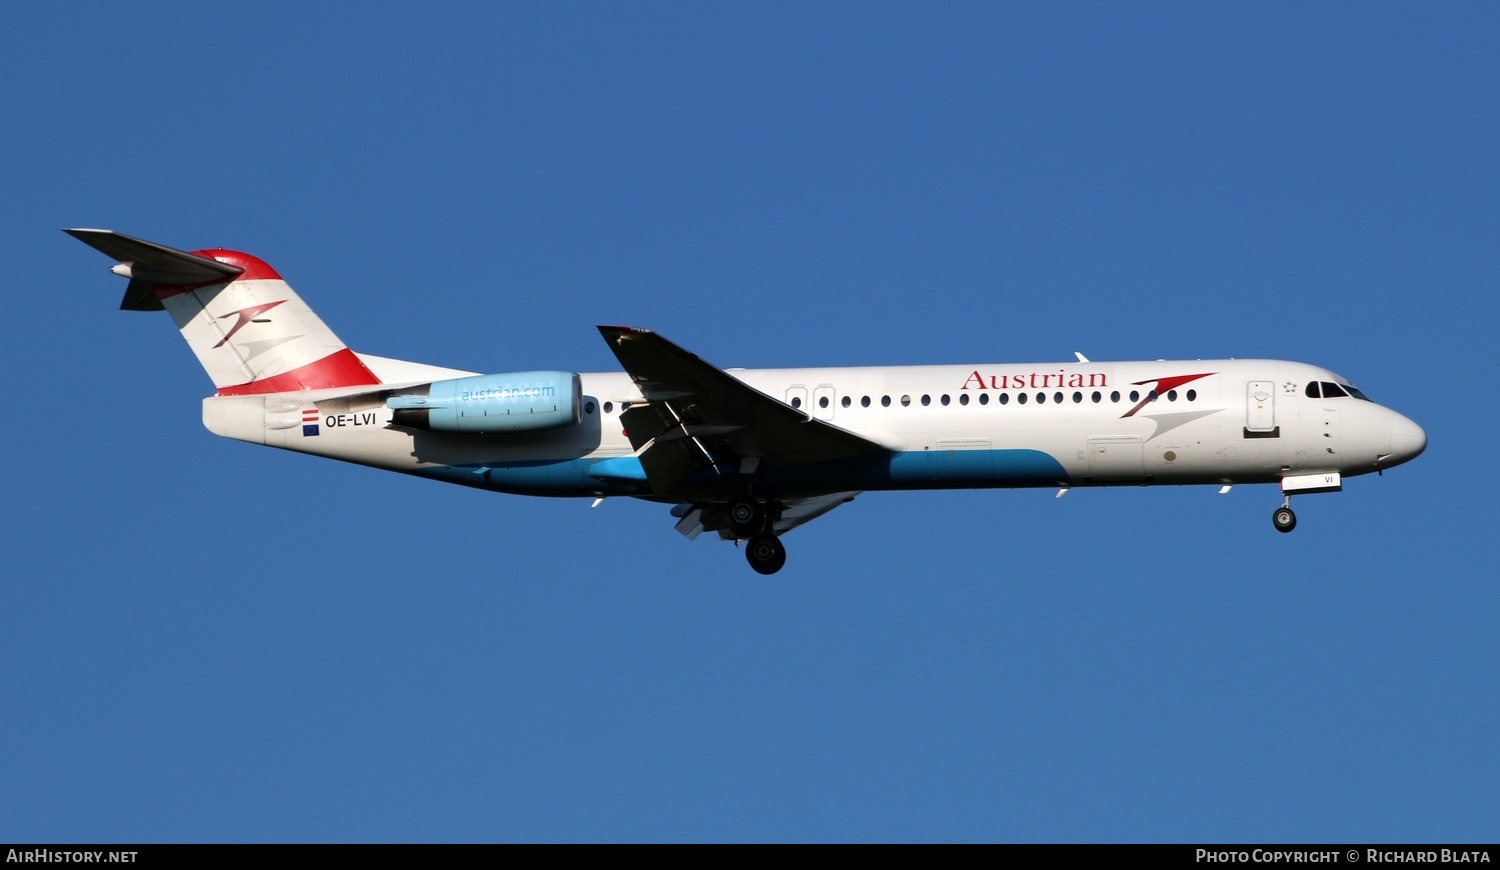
[1330,390]
[1356,393]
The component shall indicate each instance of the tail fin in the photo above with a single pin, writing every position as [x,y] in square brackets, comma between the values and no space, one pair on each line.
[250,331]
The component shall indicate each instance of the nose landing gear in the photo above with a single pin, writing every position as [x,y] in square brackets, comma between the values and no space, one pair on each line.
[1283,518]
[1302,484]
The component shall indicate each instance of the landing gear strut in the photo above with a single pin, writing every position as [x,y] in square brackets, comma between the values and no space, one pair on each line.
[1283,518]
[765,553]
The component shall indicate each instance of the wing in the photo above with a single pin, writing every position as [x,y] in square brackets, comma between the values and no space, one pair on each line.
[699,418]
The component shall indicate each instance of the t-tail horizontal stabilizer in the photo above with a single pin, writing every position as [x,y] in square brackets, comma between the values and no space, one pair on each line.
[149,265]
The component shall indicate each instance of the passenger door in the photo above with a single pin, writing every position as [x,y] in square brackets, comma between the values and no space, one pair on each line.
[1260,410]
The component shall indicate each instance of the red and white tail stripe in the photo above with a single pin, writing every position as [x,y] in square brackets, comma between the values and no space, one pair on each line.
[256,335]
[248,328]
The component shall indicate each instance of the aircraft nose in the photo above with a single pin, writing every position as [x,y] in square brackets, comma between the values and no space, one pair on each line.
[1407,441]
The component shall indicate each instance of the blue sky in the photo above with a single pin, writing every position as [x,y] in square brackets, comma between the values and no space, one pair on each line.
[202,640]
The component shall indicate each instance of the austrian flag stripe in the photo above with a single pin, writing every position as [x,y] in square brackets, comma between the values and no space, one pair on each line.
[309,421]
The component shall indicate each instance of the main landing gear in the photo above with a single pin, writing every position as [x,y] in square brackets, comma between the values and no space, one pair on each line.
[747,517]
[765,553]
[749,520]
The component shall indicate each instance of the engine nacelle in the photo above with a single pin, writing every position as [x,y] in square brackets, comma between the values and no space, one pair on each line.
[491,404]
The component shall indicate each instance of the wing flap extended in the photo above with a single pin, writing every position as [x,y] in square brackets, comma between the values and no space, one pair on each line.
[804,510]
[694,519]
[666,460]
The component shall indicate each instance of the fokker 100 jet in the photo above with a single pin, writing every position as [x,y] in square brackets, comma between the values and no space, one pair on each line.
[750,454]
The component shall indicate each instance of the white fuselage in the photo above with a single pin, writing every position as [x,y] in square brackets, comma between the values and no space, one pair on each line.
[1010,424]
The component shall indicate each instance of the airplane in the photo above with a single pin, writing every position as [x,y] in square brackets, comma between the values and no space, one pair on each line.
[750,454]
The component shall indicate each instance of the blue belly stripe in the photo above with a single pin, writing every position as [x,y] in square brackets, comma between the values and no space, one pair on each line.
[912,469]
